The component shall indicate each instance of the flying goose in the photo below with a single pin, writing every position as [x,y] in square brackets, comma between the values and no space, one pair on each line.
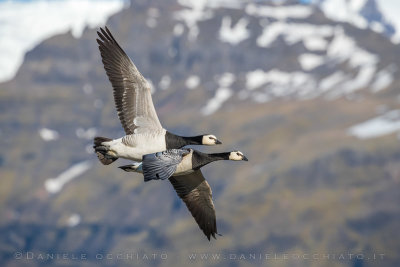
[132,97]
[182,167]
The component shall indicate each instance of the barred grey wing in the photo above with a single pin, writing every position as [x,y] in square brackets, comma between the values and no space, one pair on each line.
[162,165]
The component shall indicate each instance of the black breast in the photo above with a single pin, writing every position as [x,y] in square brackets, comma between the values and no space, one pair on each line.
[200,159]
[173,141]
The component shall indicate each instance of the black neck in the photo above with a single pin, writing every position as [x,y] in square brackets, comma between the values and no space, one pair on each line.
[175,141]
[200,159]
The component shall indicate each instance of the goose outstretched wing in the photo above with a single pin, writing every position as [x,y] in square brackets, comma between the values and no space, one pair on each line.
[194,190]
[132,94]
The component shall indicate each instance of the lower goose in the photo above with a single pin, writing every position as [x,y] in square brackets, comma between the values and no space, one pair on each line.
[182,168]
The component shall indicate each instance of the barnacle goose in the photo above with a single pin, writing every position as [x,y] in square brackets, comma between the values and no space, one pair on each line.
[182,168]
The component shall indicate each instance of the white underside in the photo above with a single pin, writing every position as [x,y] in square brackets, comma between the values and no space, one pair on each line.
[134,146]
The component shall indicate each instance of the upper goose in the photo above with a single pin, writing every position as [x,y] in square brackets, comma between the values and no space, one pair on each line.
[132,96]
[182,167]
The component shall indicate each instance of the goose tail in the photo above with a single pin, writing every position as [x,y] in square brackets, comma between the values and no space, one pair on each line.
[101,150]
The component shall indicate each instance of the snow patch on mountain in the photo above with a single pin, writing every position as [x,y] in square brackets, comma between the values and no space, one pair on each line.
[360,81]
[74,220]
[315,43]
[345,11]
[255,79]
[226,79]
[343,48]
[192,82]
[55,185]
[25,24]
[293,33]
[194,11]
[378,15]
[278,83]
[388,123]
[178,29]
[165,82]
[279,12]
[48,134]
[233,34]
[377,27]
[310,61]
[384,78]
[330,81]
[391,11]
[223,93]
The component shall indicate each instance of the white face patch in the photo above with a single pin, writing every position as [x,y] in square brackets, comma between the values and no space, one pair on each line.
[209,140]
[236,155]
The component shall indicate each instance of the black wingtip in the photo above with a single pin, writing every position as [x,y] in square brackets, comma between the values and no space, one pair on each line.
[103,31]
[101,36]
[108,31]
[213,235]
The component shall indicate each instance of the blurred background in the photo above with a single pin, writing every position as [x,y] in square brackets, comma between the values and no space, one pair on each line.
[308,90]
